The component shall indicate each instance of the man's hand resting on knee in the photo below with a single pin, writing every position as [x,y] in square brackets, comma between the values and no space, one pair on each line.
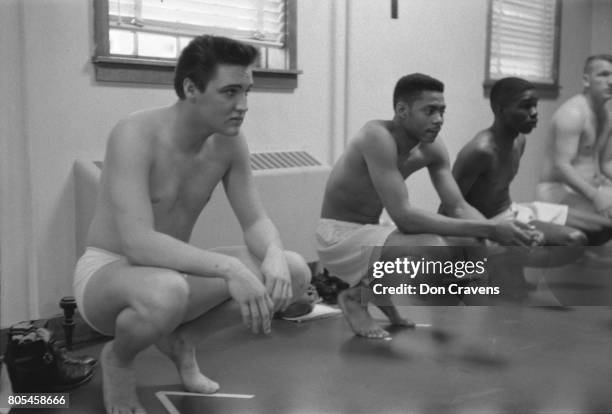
[255,303]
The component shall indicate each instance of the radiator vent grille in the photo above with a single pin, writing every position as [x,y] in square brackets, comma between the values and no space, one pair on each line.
[283,159]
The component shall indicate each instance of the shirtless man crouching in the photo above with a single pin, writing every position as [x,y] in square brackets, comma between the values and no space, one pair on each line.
[139,279]
[575,170]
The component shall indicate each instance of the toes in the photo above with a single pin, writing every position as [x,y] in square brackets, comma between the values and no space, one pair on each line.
[213,387]
[375,333]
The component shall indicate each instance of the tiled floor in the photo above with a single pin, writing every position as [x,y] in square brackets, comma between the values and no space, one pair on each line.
[470,360]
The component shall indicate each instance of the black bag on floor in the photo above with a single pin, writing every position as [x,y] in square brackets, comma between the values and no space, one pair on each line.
[36,364]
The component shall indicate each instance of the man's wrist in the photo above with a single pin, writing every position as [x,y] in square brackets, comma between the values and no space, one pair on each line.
[274,250]
[490,229]
[231,269]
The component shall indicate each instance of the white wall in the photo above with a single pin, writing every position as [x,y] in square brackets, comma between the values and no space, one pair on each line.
[351,53]
[601,37]
[447,39]
[17,260]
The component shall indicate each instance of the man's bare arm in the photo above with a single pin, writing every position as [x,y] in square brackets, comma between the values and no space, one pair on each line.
[381,157]
[470,164]
[606,154]
[260,234]
[259,231]
[567,128]
[450,195]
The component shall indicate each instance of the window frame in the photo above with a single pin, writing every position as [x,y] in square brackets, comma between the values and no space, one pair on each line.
[546,90]
[160,71]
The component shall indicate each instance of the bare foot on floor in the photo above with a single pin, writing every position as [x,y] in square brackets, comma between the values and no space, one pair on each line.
[183,356]
[395,318]
[357,316]
[118,384]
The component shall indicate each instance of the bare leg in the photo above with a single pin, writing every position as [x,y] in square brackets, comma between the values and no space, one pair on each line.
[118,383]
[140,305]
[180,346]
[388,308]
[182,353]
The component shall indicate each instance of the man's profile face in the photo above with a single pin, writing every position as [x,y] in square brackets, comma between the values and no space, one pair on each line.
[223,104]
[521,113]
[598,78]
[426,116]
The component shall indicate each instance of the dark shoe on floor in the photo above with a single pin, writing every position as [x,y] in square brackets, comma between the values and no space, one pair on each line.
[71,372]
[36,364]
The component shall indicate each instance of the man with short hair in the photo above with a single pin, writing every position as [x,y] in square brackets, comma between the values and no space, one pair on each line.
[573,172]
[139,279]
[369,176]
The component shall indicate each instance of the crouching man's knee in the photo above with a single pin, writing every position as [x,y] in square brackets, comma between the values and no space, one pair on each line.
[165,305]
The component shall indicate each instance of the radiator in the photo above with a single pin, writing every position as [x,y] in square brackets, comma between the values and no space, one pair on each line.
[290,184]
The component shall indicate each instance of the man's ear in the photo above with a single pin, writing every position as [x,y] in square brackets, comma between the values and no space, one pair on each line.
[401,109]
[189,88]
[586,80]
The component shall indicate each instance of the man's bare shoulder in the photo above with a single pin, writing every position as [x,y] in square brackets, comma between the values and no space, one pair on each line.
[137,135]
[374,136]
[141,124]
[573,110]
[375,129]
[479,150]
[482,143]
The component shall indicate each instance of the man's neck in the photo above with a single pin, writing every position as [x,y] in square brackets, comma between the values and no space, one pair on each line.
[595,104]
[503,136]
[189,135]
[405,141]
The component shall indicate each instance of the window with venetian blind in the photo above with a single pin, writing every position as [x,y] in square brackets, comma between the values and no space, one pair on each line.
[140,40]
[523,41]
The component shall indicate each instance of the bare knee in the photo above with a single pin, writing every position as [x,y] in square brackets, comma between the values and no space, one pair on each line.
[300,272]
[435,240]
[165,303]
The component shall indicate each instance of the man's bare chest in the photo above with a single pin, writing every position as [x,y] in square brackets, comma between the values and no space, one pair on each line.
[503,168]
[184,185]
